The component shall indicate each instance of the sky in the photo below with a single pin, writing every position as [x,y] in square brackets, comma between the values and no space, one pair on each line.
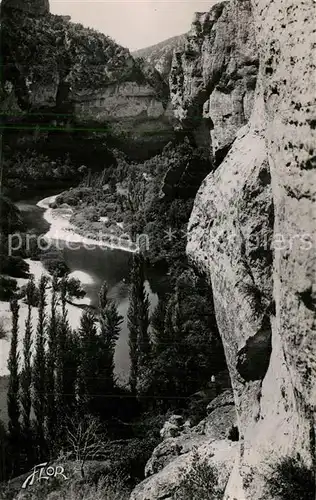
[131,23]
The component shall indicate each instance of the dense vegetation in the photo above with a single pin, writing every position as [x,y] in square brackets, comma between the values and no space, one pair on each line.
[51,47]
[199,482]
[174,352]
[291,479]
[153,199]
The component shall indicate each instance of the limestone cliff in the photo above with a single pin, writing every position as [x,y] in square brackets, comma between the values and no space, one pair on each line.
[160,56]
[212,80]
[252,231]
[53,65]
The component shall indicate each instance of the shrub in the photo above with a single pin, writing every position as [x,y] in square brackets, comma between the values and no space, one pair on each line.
[74,289]
[8,288]
[14,266]
[290,479]
[200,482]
[105,489]
[130,457]
[3,331]
[35,296]
[10,216]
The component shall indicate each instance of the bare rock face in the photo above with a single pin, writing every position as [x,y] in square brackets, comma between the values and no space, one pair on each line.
[252,232]
[213,78]
[209,441]
[56,66]
[159,56]
[129,107]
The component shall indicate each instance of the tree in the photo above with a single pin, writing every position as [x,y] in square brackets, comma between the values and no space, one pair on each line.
[138,321]
[186,345]
[103,296]
[89,361]
[157,322]
[4,453]
[66,365]
[39,371]
[8,287]
[110,327]
[13,390]
[51,417]
[83,440]
[74,289]
[26,375]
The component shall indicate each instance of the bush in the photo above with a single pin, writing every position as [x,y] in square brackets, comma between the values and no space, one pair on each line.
[35,296]
[130,457]
[105,489]
[14,266]
[74,289]
[290,479]
[8,289]
[199,483]
[3,331]
[55,265]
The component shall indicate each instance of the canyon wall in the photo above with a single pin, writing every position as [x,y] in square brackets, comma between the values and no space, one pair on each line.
[72,73]
[160,56]
[252,233]
[212,80]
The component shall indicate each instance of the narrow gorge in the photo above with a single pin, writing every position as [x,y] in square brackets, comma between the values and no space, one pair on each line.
[211,133]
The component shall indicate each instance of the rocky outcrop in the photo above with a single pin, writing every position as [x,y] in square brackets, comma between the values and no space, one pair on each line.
[208,441]
[160,56]
[212,80]
[252,233]
[82,76]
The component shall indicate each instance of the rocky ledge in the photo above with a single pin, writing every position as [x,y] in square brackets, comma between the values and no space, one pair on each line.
[210,443]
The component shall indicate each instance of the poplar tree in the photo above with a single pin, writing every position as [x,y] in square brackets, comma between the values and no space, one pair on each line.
[157,322]
[39,371]
[138,322]
[103,296]
[51,412]
[110,327]
[88,365]
[65,393]
[13,391]
[4,455]
[26,375]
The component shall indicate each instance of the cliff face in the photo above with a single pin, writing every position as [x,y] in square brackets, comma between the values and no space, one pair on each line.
[212,80]
[33,7]
[53,65]
[160,56]
[252,232]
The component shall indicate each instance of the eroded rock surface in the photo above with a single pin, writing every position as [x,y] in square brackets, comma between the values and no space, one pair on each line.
[209,440]
[252,232]
[212,80]
[57,67]
[160,56]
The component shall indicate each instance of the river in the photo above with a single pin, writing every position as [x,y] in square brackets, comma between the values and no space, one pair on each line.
[93,266]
